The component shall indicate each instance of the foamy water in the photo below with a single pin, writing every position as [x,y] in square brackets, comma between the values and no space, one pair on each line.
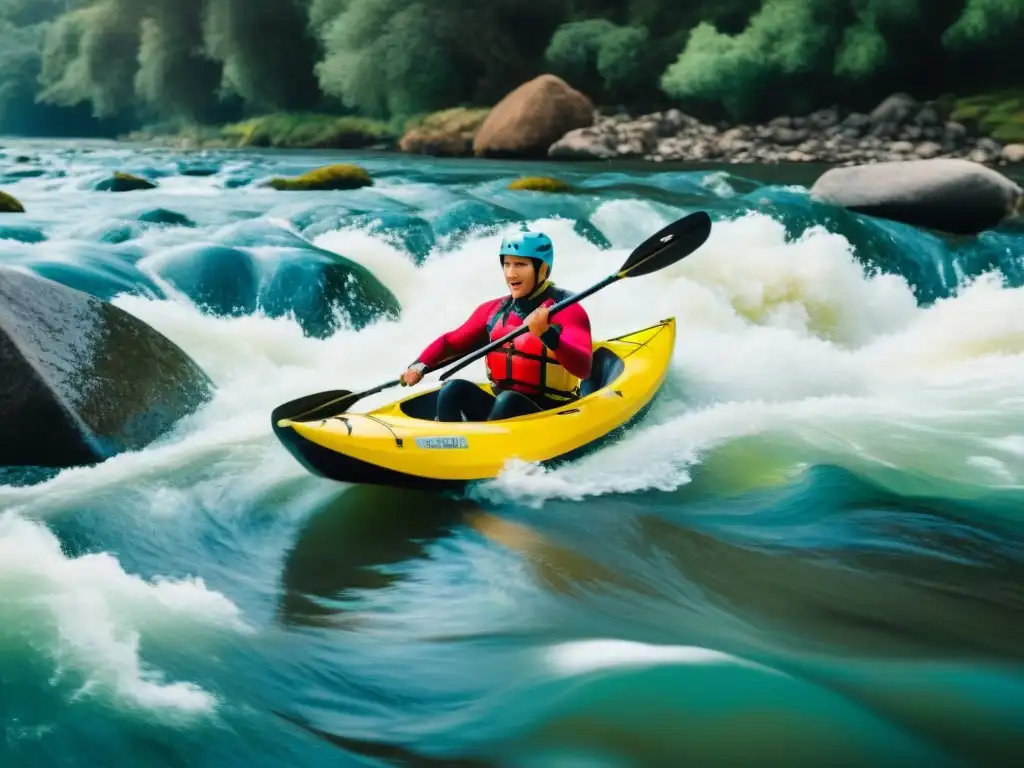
[791,355]
[788,338]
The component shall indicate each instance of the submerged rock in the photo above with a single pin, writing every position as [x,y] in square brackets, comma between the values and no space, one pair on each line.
[124,182]
[406,231]
[164,217]
[539,184]
[945,194]
[324,290]
[262,267]
[9,204]
[27,235]
[84,380]
[217,279]
[30,172]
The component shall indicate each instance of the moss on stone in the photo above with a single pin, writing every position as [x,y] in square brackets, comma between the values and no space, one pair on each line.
[328,177]
[124,182]
[539,184]
[999,114]
[9,204]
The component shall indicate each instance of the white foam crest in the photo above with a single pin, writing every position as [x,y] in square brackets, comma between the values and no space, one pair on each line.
[770,332]
[865,434]
[582,656]
[795,340]
[91,616]
[384,260]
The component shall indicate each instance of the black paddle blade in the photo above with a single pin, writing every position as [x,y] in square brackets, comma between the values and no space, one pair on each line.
[676,241]
[313,407]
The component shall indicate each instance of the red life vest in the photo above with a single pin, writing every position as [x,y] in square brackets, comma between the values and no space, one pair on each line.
[525,364]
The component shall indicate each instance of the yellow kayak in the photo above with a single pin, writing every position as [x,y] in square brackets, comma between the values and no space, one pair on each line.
[400,444]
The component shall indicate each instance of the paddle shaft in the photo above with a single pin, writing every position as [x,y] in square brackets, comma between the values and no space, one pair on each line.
[351,398]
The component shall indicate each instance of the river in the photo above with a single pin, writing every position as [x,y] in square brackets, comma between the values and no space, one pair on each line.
[810,552]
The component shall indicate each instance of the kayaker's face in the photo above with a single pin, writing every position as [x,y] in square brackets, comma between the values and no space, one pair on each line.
[519,276]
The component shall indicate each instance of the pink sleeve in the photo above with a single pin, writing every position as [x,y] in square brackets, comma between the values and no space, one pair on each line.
[574,350]
[469,336]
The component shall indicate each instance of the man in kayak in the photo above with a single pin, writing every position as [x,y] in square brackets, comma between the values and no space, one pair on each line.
[536,371]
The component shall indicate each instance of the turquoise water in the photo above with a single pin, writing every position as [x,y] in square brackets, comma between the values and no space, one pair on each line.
[809,553]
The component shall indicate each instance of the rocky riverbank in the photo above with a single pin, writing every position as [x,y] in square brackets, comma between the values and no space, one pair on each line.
[900,128]
[547,118]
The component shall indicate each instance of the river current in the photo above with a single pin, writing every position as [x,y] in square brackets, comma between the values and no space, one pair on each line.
[810,552]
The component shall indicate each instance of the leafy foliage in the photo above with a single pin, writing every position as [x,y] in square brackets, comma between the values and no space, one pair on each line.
[133,62]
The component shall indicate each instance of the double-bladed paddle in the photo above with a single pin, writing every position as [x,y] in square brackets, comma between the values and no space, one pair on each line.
[662,249]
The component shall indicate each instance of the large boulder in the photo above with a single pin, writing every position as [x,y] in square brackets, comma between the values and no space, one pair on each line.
[532,118]
[83,380]
[946,194]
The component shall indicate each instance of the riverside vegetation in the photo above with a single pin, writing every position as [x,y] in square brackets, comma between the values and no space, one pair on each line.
[668,81]
[984,129]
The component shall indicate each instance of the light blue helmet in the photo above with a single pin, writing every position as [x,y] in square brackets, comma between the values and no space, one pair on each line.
[530,245]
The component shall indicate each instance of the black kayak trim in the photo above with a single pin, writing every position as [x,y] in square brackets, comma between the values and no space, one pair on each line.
[332,465]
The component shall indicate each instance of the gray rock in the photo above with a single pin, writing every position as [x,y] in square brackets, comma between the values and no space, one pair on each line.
[946,194]
[955,132]
[927,116]
[895,109]
[990,146]
[83,380]
[979,155]
[856,120]
[788,136]
[581,144]
[823,118]
[1013,153]
[884,130]
[898,129]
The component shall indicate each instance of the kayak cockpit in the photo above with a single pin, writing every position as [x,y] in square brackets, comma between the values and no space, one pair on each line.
[605,369]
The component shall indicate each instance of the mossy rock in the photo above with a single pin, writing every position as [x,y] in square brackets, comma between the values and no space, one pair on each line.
[540,184]
[124,182]
[303,130]
[999,114]
[9,204]
[329,177]
[448,133]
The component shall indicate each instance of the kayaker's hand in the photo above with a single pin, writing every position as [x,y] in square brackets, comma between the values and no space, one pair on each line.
[412,376]
[538,321]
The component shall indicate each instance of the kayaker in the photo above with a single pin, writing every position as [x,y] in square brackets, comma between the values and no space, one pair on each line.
[536,371]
